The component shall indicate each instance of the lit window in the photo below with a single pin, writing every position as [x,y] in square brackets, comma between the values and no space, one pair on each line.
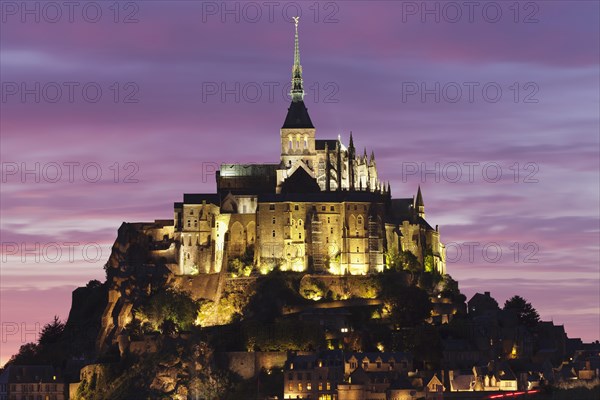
[328,386]
[309,386]
[299,386]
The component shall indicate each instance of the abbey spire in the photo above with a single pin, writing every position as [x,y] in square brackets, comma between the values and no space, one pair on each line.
[297,116]
[297,91]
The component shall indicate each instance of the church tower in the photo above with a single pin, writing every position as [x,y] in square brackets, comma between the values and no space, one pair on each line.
[297,132]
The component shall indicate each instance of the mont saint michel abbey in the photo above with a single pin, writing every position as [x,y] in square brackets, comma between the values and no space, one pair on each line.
[320,208]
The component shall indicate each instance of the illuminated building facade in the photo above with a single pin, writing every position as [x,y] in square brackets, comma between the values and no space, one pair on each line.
[321,208]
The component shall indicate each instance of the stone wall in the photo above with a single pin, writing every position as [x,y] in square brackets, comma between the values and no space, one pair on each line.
[248,364]
[202,286]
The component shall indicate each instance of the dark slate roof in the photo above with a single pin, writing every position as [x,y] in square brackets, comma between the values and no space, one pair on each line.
[198,198]
[402,207]
[320,144]
[372,356]
[300,182]
[424,223]
[297,116]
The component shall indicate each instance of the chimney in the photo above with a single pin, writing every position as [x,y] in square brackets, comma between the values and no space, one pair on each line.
[487,294]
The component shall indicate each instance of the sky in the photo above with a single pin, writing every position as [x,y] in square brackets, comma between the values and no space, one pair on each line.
[110,111]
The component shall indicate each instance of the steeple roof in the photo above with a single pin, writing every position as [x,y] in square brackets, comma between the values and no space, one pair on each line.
[297,116]
[419,201]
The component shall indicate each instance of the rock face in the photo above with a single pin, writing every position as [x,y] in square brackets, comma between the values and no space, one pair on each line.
[138,262]
[84,321]
[144,258]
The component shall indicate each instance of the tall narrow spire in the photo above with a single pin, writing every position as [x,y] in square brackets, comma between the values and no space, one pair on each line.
[419,204]
[297,91]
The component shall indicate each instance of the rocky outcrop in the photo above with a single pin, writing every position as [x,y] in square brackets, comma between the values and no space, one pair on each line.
[139,262]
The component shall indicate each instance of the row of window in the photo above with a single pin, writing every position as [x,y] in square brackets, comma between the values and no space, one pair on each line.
[38,387]
[299,387]
[291,142]
[324,208]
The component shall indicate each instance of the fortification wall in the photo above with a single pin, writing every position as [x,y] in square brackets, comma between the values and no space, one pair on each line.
[248,364]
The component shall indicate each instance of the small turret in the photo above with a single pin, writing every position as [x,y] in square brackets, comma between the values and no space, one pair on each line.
[419,205]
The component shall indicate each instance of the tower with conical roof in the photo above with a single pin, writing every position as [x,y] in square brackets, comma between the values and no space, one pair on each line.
[298,131]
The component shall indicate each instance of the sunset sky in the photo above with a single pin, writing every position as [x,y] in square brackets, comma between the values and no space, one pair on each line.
[184,86]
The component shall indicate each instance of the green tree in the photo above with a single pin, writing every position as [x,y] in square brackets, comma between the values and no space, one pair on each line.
[407,305]
[409,261]
[527,315]
[172,305]
[28,354]
[52,332]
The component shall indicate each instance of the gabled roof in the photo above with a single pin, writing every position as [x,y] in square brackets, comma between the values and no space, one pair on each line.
[373,356]
[300,182]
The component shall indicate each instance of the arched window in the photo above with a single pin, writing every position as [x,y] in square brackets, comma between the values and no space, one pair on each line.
[273,233]
[305,142]
[299,222]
